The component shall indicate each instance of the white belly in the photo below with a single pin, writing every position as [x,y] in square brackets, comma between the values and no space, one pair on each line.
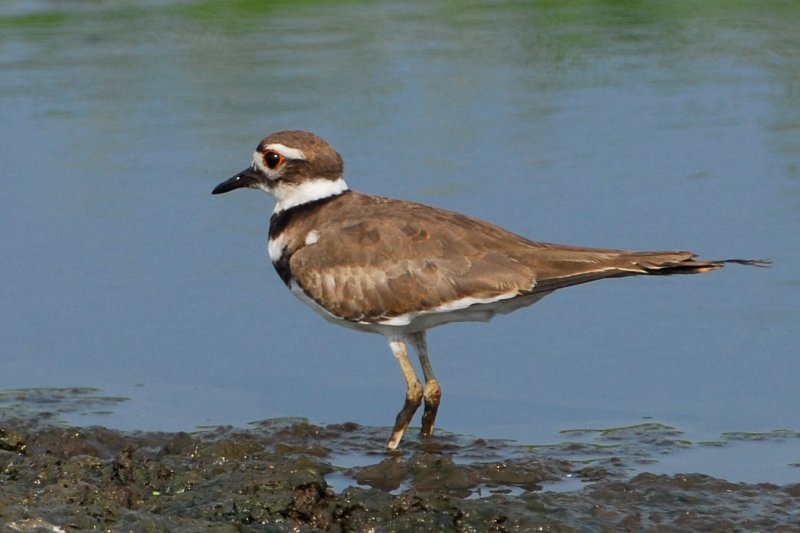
[414,322]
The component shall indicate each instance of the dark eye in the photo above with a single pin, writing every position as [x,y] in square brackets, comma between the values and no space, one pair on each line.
[273,159]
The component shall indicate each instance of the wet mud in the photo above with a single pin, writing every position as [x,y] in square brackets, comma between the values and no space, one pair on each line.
[289,475]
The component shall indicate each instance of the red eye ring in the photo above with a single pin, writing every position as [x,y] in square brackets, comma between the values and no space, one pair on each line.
[273,159]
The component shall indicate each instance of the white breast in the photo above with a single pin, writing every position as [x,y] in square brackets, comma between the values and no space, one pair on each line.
[275,247]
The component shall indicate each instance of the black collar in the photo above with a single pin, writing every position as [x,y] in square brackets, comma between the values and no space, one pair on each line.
[278,221]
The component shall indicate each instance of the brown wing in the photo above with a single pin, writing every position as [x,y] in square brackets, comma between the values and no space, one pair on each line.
[378,258]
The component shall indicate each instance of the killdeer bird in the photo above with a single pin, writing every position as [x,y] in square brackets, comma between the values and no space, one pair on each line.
[399,268]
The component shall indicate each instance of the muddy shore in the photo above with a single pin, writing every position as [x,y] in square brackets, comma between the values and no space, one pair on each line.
[287,475]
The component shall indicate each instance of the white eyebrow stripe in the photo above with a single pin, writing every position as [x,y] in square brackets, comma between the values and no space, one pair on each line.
[286,151]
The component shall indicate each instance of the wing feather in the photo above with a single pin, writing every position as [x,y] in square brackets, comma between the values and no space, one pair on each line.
[377,258]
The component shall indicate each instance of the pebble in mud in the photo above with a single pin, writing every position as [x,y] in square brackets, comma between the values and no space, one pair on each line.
[272,477]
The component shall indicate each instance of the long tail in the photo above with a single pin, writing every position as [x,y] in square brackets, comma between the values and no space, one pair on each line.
[668,263]
[565,267]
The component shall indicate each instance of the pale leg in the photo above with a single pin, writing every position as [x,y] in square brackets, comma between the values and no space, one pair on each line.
[413,393]
[433,393]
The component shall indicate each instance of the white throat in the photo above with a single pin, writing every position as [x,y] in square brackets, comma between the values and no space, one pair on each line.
[291,195]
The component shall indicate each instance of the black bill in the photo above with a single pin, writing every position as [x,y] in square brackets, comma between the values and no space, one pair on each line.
[246,178]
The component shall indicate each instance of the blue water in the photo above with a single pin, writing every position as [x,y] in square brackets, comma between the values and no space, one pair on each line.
[645,126]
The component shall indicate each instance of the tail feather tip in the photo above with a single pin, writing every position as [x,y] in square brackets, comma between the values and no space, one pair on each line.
[761,263]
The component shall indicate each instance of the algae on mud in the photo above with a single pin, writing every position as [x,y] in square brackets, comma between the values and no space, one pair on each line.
[272,477]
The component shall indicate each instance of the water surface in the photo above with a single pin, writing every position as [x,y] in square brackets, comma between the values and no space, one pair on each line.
[648,125]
